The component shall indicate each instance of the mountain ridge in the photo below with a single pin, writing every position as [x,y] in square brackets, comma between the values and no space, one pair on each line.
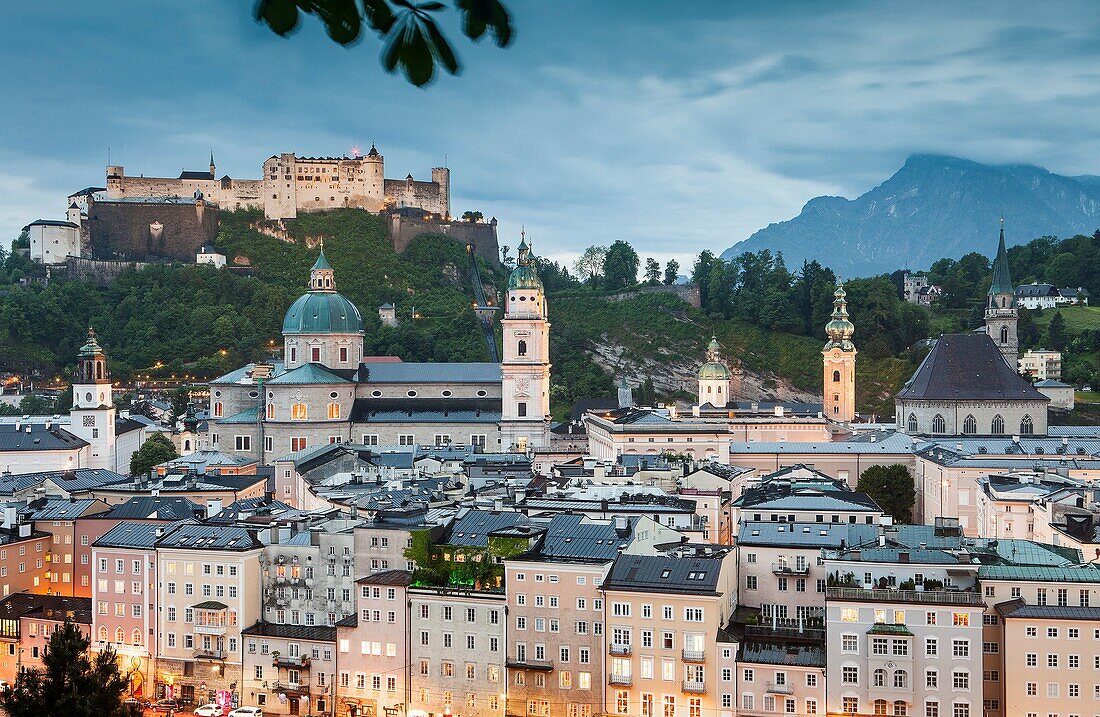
[934,206]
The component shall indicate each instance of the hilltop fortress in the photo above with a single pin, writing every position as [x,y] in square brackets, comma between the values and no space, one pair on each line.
[293,184]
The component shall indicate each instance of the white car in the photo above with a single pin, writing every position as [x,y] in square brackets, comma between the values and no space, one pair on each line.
[210,710]
[247,712]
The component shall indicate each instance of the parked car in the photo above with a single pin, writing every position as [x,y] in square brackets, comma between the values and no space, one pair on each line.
[209,710]
[247,712]
[135,703]
[166,706]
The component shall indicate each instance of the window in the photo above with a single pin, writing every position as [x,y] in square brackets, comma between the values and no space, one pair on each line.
[334,410]
[938,424]
[911,424]
[998,426]
[960,648]
[298,412]
[849,675]
[242,443]
[960,680]
[970,425]
[1026,426]
[960,619]
[850,644]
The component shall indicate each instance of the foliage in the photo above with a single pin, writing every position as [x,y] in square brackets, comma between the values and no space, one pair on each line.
[620,266]
[412,40]
[72,681]
[892,488]
[468,216]
[652,271]
[156,450]
[590,263]
[465,567]
[33,404]
[672,270]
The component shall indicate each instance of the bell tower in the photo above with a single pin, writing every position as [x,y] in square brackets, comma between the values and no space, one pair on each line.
[93,412]
[1001,313]
[839,362]
[525,370]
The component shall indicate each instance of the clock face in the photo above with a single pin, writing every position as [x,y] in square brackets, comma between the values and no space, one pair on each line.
[89,421]
[523,387]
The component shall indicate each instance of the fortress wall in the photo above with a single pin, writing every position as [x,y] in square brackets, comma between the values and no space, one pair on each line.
[483,236]
[688,293]
[428,196]
[140,230]
[99,273]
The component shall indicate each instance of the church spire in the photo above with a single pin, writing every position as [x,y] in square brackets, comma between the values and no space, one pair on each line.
[840,328]
[322,277]
[1002,282]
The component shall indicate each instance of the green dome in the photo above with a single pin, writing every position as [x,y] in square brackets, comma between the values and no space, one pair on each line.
[714,371]
[322,312]
[524,277]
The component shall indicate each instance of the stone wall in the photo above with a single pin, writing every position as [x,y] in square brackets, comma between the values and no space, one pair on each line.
[688,293]
[98,272]
[137,230]
[404,229]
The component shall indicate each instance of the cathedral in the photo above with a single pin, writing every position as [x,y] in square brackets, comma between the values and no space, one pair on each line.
[324,390]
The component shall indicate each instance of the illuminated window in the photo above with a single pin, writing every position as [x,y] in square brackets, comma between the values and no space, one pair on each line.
[334,410]
[298,412]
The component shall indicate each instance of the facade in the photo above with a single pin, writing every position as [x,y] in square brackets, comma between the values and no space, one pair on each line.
[1061,395]
[1041,364]
[53,241]
[23,551]
[26,623]
[61,518]
[1037,296]
[307,574]
[839,359]
[207,254]
[289,669]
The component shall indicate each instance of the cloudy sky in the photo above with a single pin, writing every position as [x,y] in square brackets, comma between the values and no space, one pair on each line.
[677,126]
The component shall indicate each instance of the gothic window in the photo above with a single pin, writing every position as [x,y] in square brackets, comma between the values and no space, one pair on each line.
[522,348]
[298,412]
[938,425]
[970,425]
[102,633]
[1026,426]
[271,411]
[1004,334]
[334,410]
[998,427]
[120,636]
[135,638]
[912,423]
[836,376]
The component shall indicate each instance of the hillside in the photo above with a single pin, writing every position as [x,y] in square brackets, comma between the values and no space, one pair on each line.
[932,207]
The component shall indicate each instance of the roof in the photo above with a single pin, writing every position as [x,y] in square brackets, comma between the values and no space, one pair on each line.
[403,372]
[322,312]
[193,536]
[129,534]
[309,373]
[472,528]
[70,481]
[244,373]
[62,508]
[310,633]
[1002,282]
[967,367]
[1089,573]
[1051,383]
[1018,609]
[571,536]
[1036,290]
[804,535]
[665,574]
[52,223]
[248,415]
[187,174]
[156,508]
[29,436]
[400,578]
[49,607]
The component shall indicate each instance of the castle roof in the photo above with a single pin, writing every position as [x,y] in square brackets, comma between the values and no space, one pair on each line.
[967,367]
[187,174]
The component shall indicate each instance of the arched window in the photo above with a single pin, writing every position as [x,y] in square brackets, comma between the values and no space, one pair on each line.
[880,707]
[271,411]
[901,708]
[98,370]
[1004,334]
[901,679]
[187,445]
[102,633]
[120,636]
[334,410]
[1026,426]
[998,425]
[836,376]
[298,412]
[135,638]
[878,678]
[709,388]
[938,425]
[522,348]
[217,409]
[911,425]
[970,425]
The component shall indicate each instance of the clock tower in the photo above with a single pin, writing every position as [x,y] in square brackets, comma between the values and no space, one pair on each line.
[93,412]
[525,371]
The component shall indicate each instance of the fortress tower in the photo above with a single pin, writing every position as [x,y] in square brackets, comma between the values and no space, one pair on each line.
[93,412]
[525,371]
[1001,313]
[839,362]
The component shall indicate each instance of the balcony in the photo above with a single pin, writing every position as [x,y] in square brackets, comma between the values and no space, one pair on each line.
[694,655]
[692,687]
[784,569]
[776,688]
[298,662]
[525,664]
[619,649]
[212,653]
[620,680]
[290,688]
[927,597]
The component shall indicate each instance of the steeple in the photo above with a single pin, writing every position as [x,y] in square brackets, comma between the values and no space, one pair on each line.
[840,329]
[322,277]
[213,169]
[92,362]
[714,377]
[1002,282]
[839,362]
[1001,314]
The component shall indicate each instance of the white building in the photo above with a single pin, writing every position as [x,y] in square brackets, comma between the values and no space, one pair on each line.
[52,241]
[209,255]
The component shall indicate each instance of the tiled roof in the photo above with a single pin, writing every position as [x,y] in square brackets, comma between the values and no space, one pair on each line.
[308,633]
[31,436]
[430,373]
[50,607]
[665,574]
[128,534]
[248,415]
[967,367]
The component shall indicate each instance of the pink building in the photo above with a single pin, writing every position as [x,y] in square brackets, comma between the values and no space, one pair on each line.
[26,623]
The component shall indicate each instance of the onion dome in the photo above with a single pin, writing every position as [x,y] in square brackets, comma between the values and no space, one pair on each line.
[91,347]
[714,369]
[840,328]
[524,275]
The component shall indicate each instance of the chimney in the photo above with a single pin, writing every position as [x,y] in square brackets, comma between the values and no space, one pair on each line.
[24,530]
[882,541]
[213,507]
[159,532]
[622,526]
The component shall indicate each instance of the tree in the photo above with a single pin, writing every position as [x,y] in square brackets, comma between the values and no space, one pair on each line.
[590,263]
[652,271]
[472,217]
[672,270]
[504,258]
[411,38]
[156,450]
[1056,332]
[892,488]
[620,265]
[71,681]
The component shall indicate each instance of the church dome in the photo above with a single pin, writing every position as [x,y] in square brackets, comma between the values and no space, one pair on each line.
[714,371]
[322,312]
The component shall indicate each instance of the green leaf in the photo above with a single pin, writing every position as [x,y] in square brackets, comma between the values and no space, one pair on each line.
[280,15]
[379,15]
[341,18]
[441,49]
[478,15]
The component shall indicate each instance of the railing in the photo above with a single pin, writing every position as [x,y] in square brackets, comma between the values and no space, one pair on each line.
[694,688]
[780,689]
[934,597]
[787,569]
[620,649]
[292,687]
[620,680]
[694,655]
[288,661]
[209,654]
[787,632]
[209,629]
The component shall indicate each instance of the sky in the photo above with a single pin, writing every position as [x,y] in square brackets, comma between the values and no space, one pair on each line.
[676,126]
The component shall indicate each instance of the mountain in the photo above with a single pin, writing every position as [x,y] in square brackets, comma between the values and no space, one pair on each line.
[933,207]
